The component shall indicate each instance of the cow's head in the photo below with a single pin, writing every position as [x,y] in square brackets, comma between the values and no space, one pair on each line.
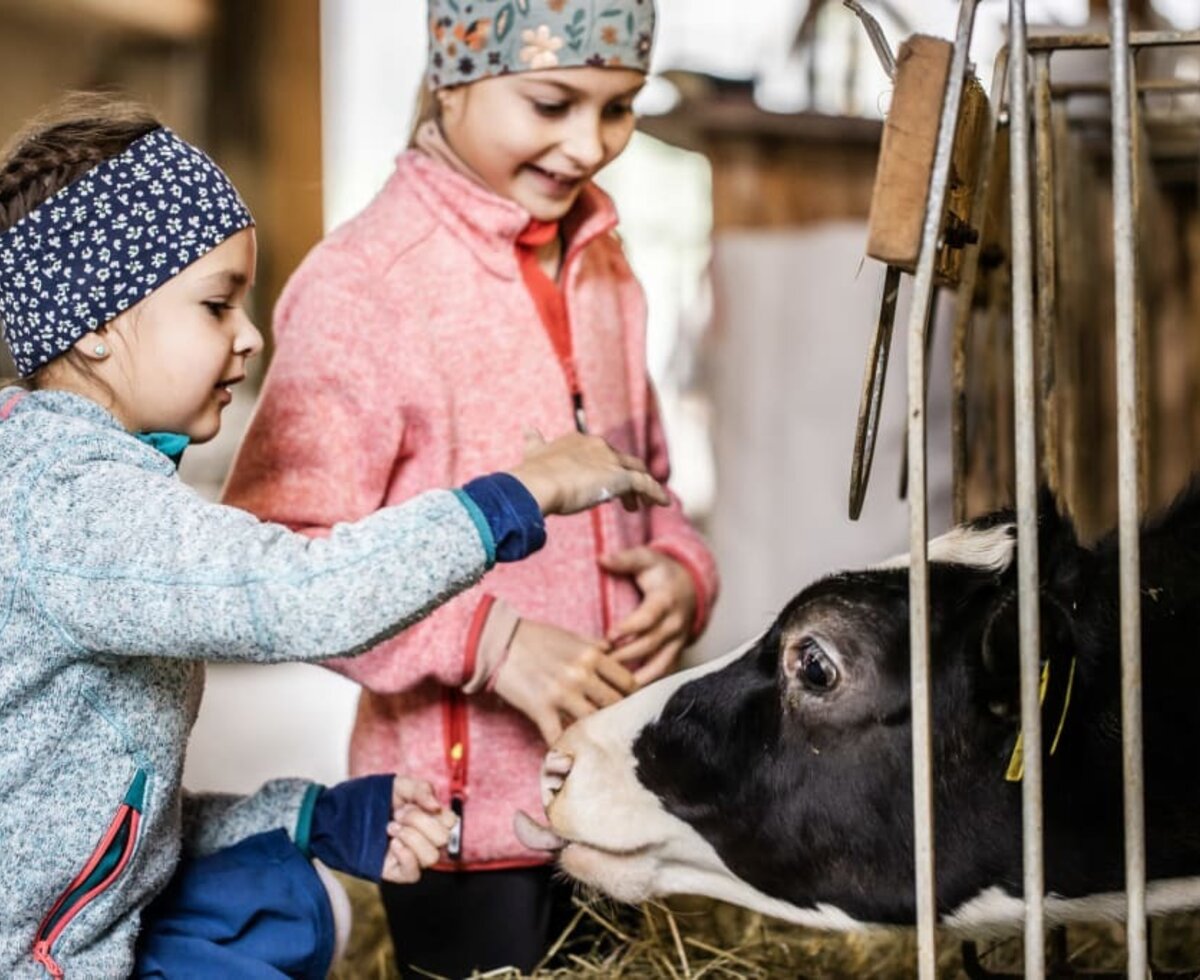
[779,777]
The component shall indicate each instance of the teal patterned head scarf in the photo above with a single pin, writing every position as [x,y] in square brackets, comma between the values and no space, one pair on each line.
[474,39]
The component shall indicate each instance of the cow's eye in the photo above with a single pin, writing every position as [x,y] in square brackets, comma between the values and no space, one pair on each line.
[816,670]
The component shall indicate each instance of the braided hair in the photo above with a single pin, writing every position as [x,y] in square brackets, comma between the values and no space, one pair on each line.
[55,149]
[63,143]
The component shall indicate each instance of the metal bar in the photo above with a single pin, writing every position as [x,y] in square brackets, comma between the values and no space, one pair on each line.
[1128,508]
[1025,432]
[1047,296]
[871,401]
[879,41]
[1148,86]
[918,579]
[966,297]
[930,327]
[1138,39]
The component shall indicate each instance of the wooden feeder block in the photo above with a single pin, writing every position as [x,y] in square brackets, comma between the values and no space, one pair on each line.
[906,154]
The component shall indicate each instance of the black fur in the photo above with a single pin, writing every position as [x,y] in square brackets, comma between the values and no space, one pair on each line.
[809,798]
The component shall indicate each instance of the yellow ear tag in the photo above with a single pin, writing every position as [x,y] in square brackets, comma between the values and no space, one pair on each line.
[1016,764]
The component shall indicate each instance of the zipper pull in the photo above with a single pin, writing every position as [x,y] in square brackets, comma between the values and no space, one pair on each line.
[41,954]
[454,845]
[580,415]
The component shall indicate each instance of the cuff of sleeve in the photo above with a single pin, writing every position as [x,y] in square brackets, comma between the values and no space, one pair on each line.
[699,584]
[349,825]
[482,525]
[303,833]
[511,513]
[497,634]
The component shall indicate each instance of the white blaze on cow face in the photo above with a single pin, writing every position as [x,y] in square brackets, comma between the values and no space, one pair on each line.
[619,838]
[990,548]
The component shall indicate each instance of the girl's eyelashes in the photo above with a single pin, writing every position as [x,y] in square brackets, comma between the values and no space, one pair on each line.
[217,307]
[619,110]
[551,109]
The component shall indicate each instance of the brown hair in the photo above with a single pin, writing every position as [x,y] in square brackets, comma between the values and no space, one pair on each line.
[54,149]
[428,107]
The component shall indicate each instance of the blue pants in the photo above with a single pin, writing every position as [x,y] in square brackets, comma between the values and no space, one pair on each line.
[256,910]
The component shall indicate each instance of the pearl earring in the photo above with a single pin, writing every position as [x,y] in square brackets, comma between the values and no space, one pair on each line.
[100,350]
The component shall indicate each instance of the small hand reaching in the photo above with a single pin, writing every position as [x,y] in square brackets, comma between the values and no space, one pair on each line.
[551,674]
[575,472]
[420,827]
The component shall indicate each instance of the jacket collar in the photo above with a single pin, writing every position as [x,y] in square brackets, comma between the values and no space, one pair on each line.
[61,403]
[70,405]
[489,224]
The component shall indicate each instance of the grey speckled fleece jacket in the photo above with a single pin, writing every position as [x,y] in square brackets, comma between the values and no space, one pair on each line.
[116,582]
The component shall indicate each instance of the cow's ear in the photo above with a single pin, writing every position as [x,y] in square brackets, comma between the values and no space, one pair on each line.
[1060,558]
[1000,650]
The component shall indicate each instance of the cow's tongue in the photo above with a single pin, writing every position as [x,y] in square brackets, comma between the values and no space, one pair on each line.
[534,835]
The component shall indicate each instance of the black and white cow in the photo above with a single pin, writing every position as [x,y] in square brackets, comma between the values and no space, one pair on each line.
[779,777]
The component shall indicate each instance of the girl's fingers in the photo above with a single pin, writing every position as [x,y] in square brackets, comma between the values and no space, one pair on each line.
[632,463]
[647,486]
[427,825]
[658,665]
[576,706]
[400,866]
[550,727]
[642,620]
[616,675]
[415,841]
[601,694]
[667,631]
[418,791]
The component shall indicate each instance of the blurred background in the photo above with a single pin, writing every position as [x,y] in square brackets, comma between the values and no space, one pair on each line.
[744,201]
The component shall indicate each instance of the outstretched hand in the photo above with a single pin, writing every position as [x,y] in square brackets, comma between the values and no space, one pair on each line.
[575,472]
[420,827]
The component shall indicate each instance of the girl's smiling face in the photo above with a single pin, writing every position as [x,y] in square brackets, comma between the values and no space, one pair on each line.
[537,137]
[174,357]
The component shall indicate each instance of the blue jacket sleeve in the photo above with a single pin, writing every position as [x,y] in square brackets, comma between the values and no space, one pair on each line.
[345,826]
[512,525]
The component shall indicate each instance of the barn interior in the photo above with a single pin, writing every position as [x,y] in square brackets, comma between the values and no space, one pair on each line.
[759,214]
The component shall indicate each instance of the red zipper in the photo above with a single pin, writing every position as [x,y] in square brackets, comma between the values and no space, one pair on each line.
[457,750]
[46,940]
[456,732]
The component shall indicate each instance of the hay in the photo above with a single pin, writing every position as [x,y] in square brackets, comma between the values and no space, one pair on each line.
[697,939]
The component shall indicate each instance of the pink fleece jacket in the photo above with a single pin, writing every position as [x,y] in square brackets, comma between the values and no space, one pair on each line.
[410,355]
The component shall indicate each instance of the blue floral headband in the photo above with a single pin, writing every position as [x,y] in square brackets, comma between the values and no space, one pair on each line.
[108,240]
[474,39]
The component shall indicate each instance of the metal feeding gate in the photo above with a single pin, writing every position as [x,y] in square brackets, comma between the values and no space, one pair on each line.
[932,221]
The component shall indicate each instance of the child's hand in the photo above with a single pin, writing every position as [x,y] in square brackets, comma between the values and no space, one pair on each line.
[419,829]
[658,628]
[576,472]
[551,673]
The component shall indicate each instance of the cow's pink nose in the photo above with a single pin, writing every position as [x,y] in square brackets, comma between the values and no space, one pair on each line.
[555,769]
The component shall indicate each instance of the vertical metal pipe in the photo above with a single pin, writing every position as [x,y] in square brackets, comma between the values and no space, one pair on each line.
[918,581]
[1128,451]
[1025,432]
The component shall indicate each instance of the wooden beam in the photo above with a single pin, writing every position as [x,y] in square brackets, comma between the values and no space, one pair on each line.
[172,20]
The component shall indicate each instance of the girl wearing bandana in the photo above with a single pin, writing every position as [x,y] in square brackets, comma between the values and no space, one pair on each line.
[125,259]
[484,290]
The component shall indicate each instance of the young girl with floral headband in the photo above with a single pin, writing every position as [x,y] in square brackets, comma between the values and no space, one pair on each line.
[125,260]
[482,289]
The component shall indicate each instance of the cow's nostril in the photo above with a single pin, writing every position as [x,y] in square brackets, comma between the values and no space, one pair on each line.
[555,768]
